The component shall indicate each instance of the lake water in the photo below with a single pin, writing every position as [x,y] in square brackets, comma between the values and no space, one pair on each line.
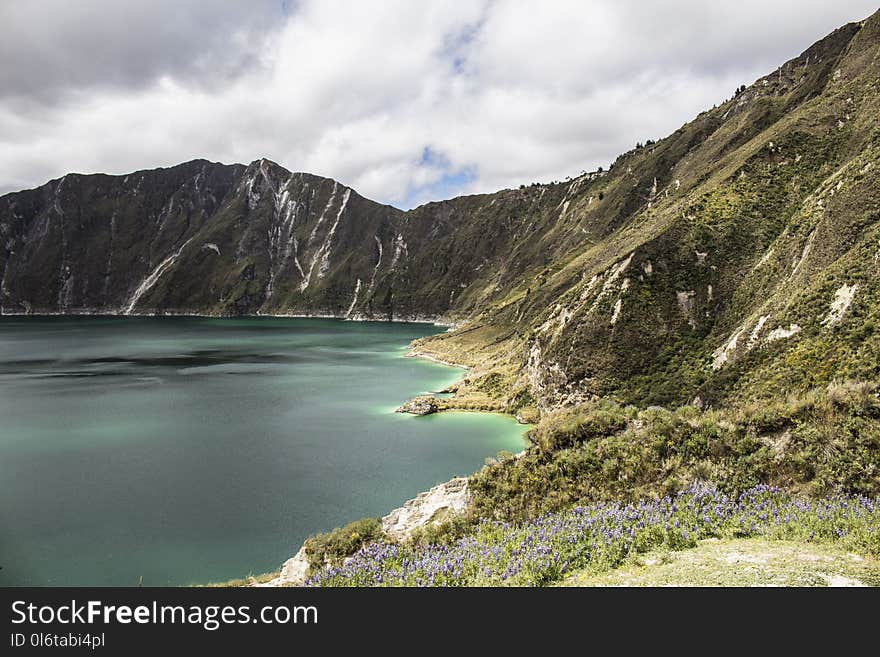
[189,450]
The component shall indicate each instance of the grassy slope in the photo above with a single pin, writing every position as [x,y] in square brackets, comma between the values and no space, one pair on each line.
[760,208]
[739,562]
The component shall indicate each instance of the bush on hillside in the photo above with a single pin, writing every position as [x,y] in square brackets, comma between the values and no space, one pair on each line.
[333,546]
[824,442]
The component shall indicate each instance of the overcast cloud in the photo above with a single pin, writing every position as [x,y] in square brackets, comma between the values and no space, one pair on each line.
[406,101]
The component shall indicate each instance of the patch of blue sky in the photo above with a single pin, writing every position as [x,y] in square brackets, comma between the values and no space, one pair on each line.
[449,181]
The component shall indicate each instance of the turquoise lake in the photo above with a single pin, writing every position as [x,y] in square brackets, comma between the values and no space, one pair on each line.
[192,450]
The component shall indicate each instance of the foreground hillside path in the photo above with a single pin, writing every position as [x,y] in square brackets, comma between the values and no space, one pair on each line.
[740,562]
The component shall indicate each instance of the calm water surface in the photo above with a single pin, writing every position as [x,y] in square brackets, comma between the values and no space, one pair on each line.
[192,450]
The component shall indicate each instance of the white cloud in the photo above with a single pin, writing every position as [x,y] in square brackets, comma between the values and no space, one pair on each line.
[499,93]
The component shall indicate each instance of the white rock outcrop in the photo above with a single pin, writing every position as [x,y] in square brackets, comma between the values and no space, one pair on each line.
[781,333]
[617,308]
[843,297]
[721,355]
[426,508]
[431,506]
[293,572]
[756,332]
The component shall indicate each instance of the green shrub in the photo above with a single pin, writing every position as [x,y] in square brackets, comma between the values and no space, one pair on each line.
[824,442]
[333,546]
[444,532]
[572,426]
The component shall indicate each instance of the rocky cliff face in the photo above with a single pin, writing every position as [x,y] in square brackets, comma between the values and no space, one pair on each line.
[737,256]
[208,238]
[200,237]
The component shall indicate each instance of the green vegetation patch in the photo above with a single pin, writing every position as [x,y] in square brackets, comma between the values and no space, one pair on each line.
[334,546]
[824,442]
[740,562]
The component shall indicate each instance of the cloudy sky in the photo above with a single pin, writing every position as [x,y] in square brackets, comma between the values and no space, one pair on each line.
[405,101]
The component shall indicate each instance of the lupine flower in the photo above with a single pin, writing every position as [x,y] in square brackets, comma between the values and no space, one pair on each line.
[602,534]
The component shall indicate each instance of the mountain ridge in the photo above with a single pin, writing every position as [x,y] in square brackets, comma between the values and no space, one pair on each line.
[732,258]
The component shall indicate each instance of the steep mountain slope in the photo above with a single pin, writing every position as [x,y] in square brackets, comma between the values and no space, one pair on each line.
[209,238]
[199,237]
[737,257]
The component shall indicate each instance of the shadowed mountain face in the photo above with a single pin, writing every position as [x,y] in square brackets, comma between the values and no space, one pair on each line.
[199,237]
[739,254]
[209,238]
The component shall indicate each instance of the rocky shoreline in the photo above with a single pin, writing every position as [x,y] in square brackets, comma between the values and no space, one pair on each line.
[430,507]
[103,312]
[423,405]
